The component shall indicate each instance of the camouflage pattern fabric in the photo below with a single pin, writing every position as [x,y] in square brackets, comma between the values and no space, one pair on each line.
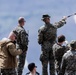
[21,37]
[46,38]
[58,52]
[47,57]
[68,65]
[21,63]
[8,72]
[22,43]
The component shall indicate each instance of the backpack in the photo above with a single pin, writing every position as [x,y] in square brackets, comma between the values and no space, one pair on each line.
[3,45]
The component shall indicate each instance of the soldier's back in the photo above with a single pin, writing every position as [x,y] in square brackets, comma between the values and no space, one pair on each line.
[58,51]
[70,58]
[19,28]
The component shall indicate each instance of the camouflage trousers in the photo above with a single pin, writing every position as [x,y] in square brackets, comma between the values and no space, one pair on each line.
[57,66]
[47,58]
[8,72]
[21,63]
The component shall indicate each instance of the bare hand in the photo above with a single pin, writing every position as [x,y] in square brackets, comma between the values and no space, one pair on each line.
[64,18]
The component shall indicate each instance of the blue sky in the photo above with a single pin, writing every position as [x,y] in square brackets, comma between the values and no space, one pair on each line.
[32,11]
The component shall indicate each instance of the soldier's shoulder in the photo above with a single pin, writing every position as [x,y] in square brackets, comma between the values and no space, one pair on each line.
[42,27]
[56,48]
[10,43]
[18,28]
[54,45]
[4,41]
[67,54]
[7,43]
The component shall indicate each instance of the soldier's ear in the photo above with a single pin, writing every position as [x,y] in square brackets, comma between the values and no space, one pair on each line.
[44,20]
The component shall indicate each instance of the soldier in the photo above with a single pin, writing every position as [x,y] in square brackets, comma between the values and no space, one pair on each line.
[46,38]
[58,51]
[22,43]
[8,53]
[32,69]
[68,65]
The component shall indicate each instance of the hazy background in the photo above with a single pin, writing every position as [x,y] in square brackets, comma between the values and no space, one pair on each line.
[32,11]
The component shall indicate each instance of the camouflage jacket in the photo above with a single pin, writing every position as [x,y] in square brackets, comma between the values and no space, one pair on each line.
[58,52]
[22,37]
[68,65]
[48,32]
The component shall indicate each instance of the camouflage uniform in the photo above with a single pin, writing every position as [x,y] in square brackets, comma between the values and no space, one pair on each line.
[68,65]
[8,72]
[47,37]
[22,43]
[58,51]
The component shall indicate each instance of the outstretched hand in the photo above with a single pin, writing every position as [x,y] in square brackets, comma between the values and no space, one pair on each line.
[64,18]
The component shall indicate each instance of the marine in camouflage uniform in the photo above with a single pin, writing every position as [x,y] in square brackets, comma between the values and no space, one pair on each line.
[68,65]
[58,51]
[8,53]
[46,38]
[22,43]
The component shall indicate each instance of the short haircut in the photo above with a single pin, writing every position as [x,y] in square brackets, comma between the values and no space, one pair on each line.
[61,38]
[21,19]
[31,66]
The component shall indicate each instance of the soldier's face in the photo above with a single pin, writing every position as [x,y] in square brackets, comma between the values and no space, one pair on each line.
[34,69]
[23,23]
[47,20]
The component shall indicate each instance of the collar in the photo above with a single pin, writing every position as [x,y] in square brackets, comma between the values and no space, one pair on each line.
[20,26]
